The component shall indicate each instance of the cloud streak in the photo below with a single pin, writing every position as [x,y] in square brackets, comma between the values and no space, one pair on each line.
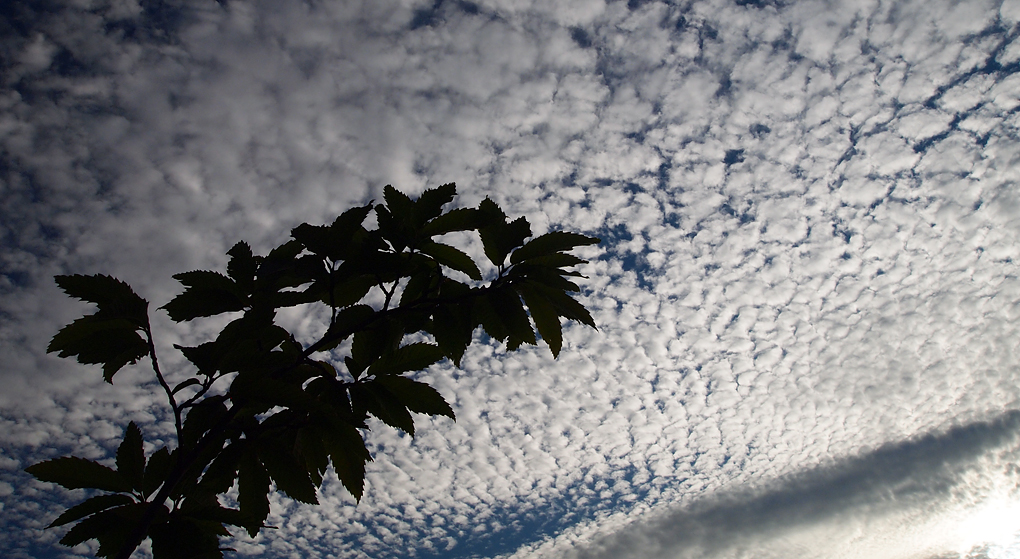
[857,507]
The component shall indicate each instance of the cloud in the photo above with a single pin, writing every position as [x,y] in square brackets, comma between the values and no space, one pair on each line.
[809,221]
[866,506]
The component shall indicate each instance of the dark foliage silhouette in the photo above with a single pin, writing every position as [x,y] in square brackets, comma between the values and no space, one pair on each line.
[265,408]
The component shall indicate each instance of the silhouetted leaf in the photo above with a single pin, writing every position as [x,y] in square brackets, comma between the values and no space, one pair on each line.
[498,236]
[242,266]
[430,204]
[452,326]
[452,258]
[348,321]
[131,457]
[412,357]
[383,404]
[200,419]
[311,452]
[551,277]
[206,294]
[417,396]
[546,318]
[510,310]
[369,344]
[110,526]
[91,506]
[78,473]
[115,298]
[222,471]
[94,339]
[348,454]
[556,241]
[564,304]
[398,203]
[290,476]
[348,292]
[460,219]
[156,471]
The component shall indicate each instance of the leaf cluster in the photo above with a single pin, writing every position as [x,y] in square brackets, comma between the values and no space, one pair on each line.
[264,409]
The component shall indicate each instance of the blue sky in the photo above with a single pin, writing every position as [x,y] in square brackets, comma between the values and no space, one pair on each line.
[807,294]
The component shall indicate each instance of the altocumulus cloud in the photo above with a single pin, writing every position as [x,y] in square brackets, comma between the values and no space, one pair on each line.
[807,292]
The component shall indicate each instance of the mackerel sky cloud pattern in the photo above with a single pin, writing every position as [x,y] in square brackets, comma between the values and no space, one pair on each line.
[807,292]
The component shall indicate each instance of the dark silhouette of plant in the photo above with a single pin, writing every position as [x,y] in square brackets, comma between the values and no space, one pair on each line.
[285,410]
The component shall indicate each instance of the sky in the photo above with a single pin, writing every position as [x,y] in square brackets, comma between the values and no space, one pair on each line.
[807,291]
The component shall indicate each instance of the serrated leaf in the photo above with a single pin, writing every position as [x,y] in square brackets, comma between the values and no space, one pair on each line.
[288,473]
[206,357]
[412,357]
[460,219]
[369,344]
[310,450]
[94,527]
[206,294]
[398,203]
[340,240]
[383,404]
[91,506]
[452,326]
[242,266]
[551,277]
[430,204]
[422,284]
[565,305]
[222,471]
[94,339]
[348,455]
[546,319]
[72,472]
[156,471]
[348,292]
[485,314]
[131,457]
[556,241]
[252,386]
[200,419]
[417,396]
[555,260]
[111,295]
[510,310]
[452,257]
[499,239]
[348,321]
[316,238]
